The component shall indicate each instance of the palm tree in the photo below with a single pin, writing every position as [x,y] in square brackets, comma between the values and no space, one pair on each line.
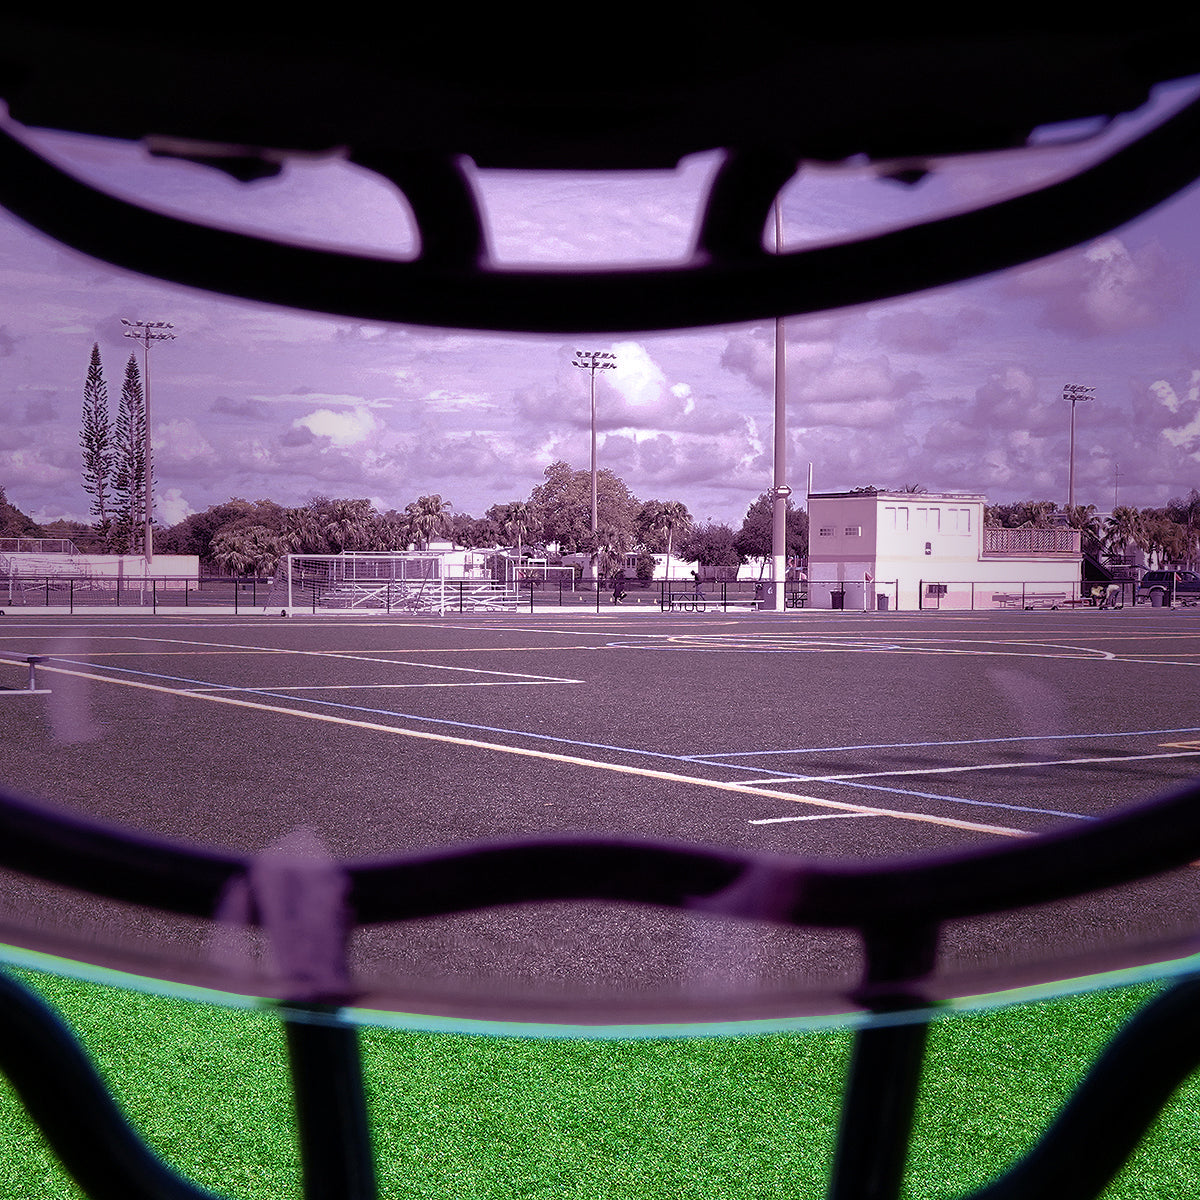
[428,515]
[1034,513]
[1164,541]
[348,524]
[1122,529]
[248,548]
[1085,519]
[516,520]
[671,517]
[391,531]
[1186,512]
[303,531]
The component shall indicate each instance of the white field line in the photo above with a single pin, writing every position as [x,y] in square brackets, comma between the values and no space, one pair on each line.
[1060,762]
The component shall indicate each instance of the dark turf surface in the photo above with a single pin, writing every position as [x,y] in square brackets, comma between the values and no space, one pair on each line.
[926,732]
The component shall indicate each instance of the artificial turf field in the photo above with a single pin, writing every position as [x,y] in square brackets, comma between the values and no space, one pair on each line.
[502,1117]
[932,733]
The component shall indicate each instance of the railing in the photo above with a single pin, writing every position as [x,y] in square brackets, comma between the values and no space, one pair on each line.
[1030,541]
[1020,594]
[81,591]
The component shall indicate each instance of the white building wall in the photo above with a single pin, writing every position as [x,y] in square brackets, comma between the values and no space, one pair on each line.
[919,550]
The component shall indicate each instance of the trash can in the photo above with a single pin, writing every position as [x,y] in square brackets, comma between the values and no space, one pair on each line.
[881,603]
[1156,599]
[837,599]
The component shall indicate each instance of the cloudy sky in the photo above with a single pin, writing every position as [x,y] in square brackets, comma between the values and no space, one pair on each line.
[955,389]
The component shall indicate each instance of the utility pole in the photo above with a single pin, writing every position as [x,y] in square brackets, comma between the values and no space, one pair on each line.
[147,332]
[593,361]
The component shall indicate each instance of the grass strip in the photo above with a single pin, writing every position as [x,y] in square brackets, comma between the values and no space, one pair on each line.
[503,1117]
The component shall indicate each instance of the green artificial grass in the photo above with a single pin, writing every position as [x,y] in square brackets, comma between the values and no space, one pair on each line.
[460,1116]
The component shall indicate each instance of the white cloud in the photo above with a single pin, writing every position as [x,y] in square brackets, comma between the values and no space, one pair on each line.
[170,507]
[1106,289]
[638,378]
[346,428]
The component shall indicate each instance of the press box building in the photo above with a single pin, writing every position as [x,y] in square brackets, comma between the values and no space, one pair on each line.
[871,549]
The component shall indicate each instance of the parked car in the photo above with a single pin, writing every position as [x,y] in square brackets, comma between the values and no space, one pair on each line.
[1181,587]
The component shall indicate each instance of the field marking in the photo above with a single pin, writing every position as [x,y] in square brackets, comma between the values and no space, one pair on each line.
[807,817]
[343,655]
[549,756]
[385,687]
[1062,762]
[777,777]
[1038,812]
[1000,741]
[855,781]
[825,643]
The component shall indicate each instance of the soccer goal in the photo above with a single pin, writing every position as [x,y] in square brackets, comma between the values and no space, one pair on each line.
[410,580]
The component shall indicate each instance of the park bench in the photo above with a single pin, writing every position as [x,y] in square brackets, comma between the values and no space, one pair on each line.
[1029,600]
[692,601]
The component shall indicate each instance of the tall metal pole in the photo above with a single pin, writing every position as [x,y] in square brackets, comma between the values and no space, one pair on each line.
[595,473]
[780,490]
[147,332]
[1074,392]
[593,361]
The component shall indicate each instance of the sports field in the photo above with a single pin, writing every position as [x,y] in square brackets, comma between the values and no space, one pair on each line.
[834,735]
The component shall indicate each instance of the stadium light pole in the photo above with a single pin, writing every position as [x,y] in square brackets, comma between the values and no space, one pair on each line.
[1074,392]
[147,332]
[593,361]
[779,490]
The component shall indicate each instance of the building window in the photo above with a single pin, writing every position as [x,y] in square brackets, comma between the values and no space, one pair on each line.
[895,517]
[825,531]
[853,530]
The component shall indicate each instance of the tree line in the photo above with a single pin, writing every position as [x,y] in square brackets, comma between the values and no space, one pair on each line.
[249,537]
[244,537]
[1169,535]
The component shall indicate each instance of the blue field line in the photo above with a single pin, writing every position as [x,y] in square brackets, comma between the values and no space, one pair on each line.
[1028,737]
[792,777]
[1041,812]
[380,712]
[784,776]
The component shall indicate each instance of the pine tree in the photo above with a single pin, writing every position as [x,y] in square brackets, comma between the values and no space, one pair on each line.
[95,439]
[129,477]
